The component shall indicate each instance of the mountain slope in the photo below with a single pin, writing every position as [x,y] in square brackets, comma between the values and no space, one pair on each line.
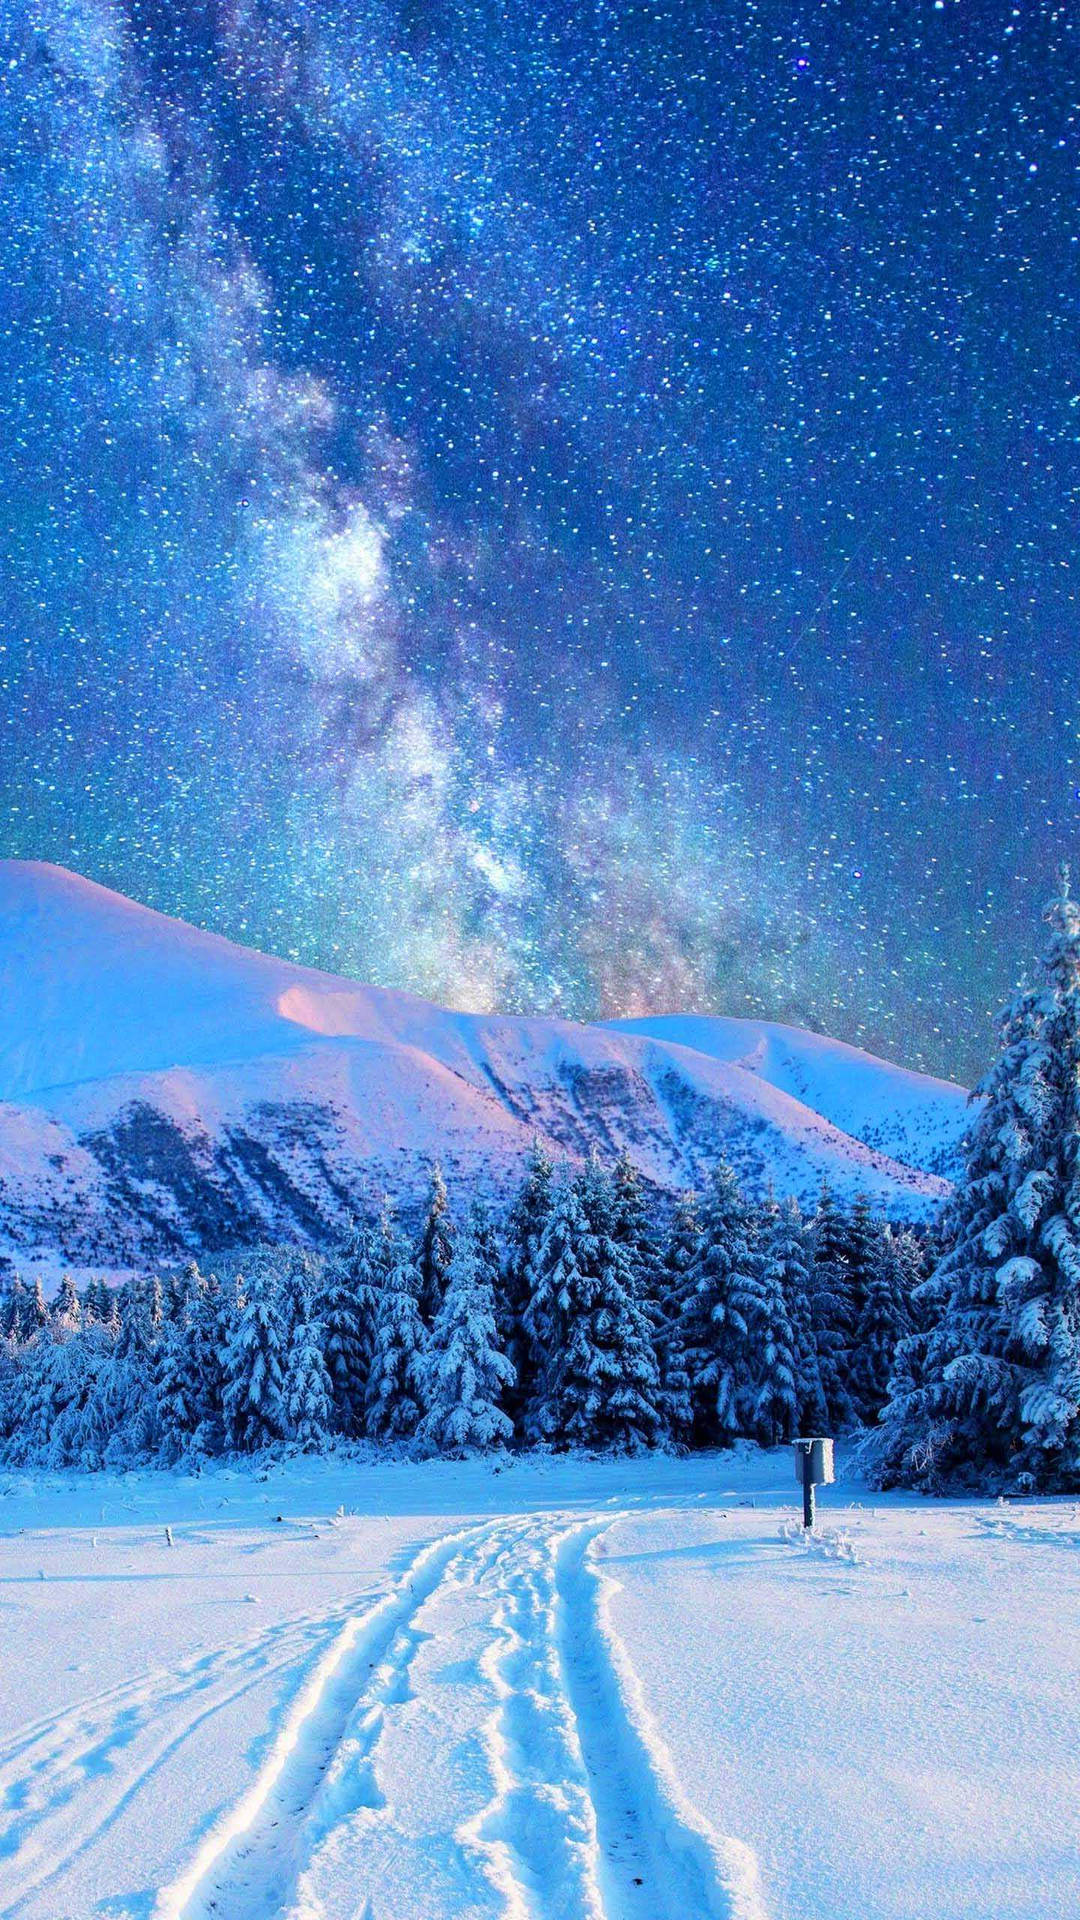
[163,1089]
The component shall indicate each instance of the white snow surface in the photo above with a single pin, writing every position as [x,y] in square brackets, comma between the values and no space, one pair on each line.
[106,1006]
[546,1690]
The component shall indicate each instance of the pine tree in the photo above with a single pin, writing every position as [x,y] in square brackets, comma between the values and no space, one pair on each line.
[769,1403]
[884,1322]
[525,1228]
[14,1303]
[346,1310]
[632,1226]
[464,1373]
[213,1314]
[174,1297]
[558,1282]
[789,1250]
[677,1255]
[785,1381]
[722,1288]
[188,1368]
[863,1250]
[436,1248]
[1039,1281]
[597,1381]
[180,1388]
[992,1389]
[37,1312]
[128,1396]
[95,1303]
[67,1308]
[136,1330]
[394,1384]
[832,1308]
[57,1423]
[254,1365]
[155,1304]
[308,1397]
[910,1251]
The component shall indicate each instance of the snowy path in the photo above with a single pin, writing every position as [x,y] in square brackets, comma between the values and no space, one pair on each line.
[577,1818]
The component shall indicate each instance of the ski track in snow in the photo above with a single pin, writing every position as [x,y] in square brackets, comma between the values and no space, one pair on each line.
[319,1769]
[658,1859]
[585,1819]
[65,1778]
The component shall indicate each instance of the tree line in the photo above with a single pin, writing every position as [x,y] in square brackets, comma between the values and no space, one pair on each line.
[581,1320]
[577,1321]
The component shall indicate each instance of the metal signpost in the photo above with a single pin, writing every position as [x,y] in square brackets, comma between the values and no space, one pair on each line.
[813,1468]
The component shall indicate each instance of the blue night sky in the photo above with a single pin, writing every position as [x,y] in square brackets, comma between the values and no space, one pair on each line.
[560,508]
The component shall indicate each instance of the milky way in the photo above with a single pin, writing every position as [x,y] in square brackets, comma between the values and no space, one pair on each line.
[566,509]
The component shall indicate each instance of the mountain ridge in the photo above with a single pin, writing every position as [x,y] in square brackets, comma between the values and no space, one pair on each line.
[165,1091]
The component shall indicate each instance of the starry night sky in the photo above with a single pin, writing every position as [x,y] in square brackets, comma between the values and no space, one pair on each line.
[561,508]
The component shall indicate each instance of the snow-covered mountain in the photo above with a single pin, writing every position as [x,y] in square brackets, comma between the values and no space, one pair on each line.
[162,1089]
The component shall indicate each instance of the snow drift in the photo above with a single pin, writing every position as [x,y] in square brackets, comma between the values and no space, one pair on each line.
[163,1090]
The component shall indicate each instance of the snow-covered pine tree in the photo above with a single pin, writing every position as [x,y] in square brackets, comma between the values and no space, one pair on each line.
[832,1308]
[38,1401]
[787,1262]
[66,1313]
[346,1308]
[791,1247]
[991,1392]
[1039,1279]
[300,1273]
[633,1227]
[489,1251]
[174,1297]
[14,1300]
[623,1409]
[864,1235]
[680,1252]
[181,1387]
[952,1405]
[525,1227]
[10,1395]
[885,1321]
[392,1397]
[464,1373]
[721,1287]
[769,1402]
[213,1313]
[135,1328]
[558,1282]
[254,1362]
[436,1248]
[308,1397]
[597,1380]
[677,1258]
[59,1414]
[155,1303]
[128,1389]
[910,1250]
[95,1302]
[36,1312]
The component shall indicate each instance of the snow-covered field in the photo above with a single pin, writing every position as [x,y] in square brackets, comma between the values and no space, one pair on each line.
[551,1691]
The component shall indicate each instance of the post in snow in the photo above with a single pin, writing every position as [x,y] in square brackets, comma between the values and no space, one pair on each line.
[813,1468]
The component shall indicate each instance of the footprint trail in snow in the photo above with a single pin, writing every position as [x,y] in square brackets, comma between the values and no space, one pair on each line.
[472,1746]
